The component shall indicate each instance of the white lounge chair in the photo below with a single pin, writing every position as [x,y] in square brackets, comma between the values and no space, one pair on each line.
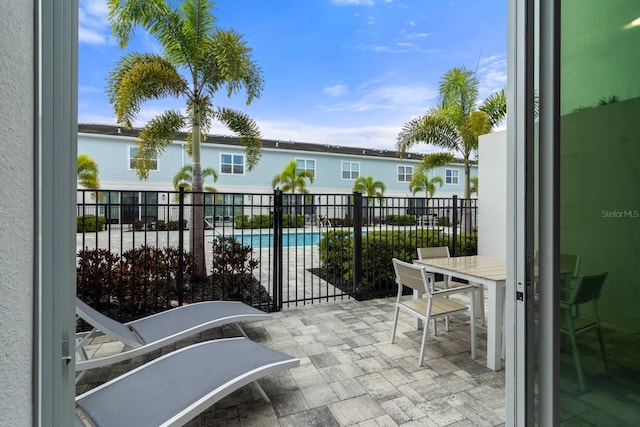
[175,388]
[158,330]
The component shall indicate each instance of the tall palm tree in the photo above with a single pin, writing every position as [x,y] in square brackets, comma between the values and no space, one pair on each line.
[456,122]
[372,188]
[420,180]
[291,179]
[197,61]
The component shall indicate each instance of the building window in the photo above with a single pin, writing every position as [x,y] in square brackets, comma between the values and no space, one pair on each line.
[451,176]
[132,159]
[232,164]
[405,173]
[350,170]
[307,165]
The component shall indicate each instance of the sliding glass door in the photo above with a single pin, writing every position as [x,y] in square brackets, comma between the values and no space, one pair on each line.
[578,244]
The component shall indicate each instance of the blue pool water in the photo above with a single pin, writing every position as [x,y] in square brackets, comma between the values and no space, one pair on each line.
[264,240]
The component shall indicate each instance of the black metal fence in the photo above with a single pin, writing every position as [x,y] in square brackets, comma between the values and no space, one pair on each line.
[134,246]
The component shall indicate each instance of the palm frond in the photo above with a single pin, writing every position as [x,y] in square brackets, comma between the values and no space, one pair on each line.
[434,160]
[459,88]
[248,132]
[477,123]
[125,15]
[232,63]
[154,138]
[432,129]
[495,106]
[138,78]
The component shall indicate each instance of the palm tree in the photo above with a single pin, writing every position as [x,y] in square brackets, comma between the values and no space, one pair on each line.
[420,180]
[372,188]
[474,184]
[456,122]
[184,178]
[88,172]
[291,179]
[197,61]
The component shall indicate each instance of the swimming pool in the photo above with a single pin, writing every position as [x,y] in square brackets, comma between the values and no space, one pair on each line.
[265,240]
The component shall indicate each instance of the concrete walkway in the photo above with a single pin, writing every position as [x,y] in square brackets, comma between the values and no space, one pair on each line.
[351,375]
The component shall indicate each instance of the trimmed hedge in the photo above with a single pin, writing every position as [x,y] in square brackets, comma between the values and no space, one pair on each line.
[265,221]
[401,219]
[378,249]
[89,223]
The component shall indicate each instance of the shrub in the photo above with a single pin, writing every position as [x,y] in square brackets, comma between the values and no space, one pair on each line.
[137,281]
[97,270]
[341,222]
[378,249]
[286,221]
[89,223]
[257,221]
[443,221]
[401,219]
[138,225]
[467,244]
[232,267]
[175,225]
[336,250]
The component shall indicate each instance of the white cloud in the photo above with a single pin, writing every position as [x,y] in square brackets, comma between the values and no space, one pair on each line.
[492,74]
[93,25]
[381,137]
[336,90]
[412,23]
[374,96]
[369,137]
[353,2]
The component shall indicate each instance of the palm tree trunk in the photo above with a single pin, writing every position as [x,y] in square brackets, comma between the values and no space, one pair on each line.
[465,225]
[196,236]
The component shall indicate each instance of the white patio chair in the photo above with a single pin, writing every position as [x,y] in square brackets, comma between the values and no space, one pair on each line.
[585,292]
[433,305]
[443,252]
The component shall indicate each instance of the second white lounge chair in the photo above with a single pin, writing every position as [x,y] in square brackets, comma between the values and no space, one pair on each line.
[173,389]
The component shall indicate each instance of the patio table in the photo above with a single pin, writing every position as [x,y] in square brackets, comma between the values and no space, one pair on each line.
[488,272]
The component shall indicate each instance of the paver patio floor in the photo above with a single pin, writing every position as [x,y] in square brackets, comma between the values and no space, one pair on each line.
[350,374]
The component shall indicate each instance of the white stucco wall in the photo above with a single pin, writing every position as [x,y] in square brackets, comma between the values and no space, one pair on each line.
[16,211]
[492,195]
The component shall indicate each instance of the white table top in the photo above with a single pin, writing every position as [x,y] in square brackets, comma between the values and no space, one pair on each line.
[471,267]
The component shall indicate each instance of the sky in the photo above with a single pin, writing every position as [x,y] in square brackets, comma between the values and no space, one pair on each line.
[338,72]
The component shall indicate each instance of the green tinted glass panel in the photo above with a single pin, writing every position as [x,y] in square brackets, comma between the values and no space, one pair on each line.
[599,213]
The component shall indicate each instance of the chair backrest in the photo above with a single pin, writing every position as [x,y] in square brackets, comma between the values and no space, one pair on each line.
[588,288]
[107,325]
[569,262]
[433,252]
[410,275]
